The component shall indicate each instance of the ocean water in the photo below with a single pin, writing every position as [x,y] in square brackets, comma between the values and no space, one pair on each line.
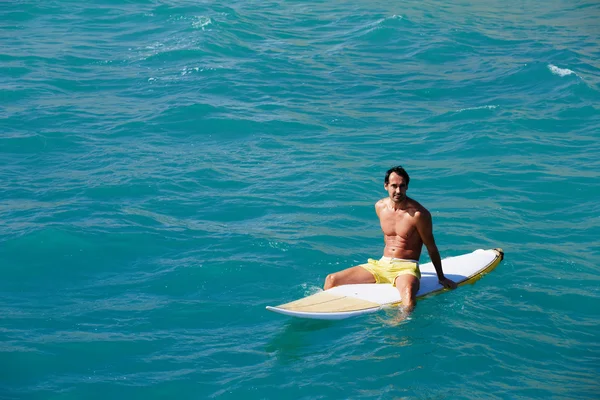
[169,168]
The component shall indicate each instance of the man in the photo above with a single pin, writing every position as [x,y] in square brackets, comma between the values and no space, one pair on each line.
[406,226]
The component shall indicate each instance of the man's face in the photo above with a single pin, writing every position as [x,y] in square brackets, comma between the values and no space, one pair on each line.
[396,188]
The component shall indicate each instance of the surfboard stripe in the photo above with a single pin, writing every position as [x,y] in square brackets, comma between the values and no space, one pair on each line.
[328,302]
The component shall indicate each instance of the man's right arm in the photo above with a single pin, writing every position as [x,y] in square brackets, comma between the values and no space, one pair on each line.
[425,228]
[378,206]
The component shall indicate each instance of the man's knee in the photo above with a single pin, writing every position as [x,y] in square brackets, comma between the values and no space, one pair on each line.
[409,291]
[408,286]
[330,281]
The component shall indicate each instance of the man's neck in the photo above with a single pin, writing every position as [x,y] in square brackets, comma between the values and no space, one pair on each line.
[402,205]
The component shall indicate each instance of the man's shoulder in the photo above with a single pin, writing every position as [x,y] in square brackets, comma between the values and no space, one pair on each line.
[417,207]
[382,202]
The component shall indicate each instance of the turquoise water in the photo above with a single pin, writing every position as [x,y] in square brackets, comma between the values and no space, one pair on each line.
[170,168]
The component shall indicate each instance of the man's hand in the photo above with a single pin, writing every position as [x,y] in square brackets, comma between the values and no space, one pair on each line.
[447,283]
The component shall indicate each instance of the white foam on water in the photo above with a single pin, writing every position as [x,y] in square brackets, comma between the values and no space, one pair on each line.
[489,107]
[310,289]
[560,71]
[188,70]
[201,22]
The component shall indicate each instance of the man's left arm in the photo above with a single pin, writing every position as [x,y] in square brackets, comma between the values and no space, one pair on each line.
[425,228]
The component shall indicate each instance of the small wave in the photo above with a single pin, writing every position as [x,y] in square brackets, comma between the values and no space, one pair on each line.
[382,20]
[489,107]
[377,24]
[560,71]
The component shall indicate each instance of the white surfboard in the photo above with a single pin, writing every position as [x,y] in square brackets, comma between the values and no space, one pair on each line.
[351,300]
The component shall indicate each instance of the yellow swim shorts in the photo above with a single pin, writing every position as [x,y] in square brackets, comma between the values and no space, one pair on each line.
[387,269]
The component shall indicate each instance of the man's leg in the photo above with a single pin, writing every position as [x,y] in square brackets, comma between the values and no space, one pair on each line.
[408,286]
[351,275]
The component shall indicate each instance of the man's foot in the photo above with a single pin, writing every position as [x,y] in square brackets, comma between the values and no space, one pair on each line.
[397,316]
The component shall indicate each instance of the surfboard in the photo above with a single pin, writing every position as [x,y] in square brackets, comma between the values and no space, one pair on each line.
[352,300]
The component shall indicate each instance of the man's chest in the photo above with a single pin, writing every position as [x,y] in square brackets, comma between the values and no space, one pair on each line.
[399,224]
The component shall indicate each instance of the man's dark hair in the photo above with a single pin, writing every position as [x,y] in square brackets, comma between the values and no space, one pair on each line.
[400,171]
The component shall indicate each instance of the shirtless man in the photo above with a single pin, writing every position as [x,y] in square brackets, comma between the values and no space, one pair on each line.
[406,226]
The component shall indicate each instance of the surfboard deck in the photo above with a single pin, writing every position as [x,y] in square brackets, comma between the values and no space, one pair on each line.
[351,300]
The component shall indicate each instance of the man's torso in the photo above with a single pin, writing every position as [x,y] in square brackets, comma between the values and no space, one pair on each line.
[402,238]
